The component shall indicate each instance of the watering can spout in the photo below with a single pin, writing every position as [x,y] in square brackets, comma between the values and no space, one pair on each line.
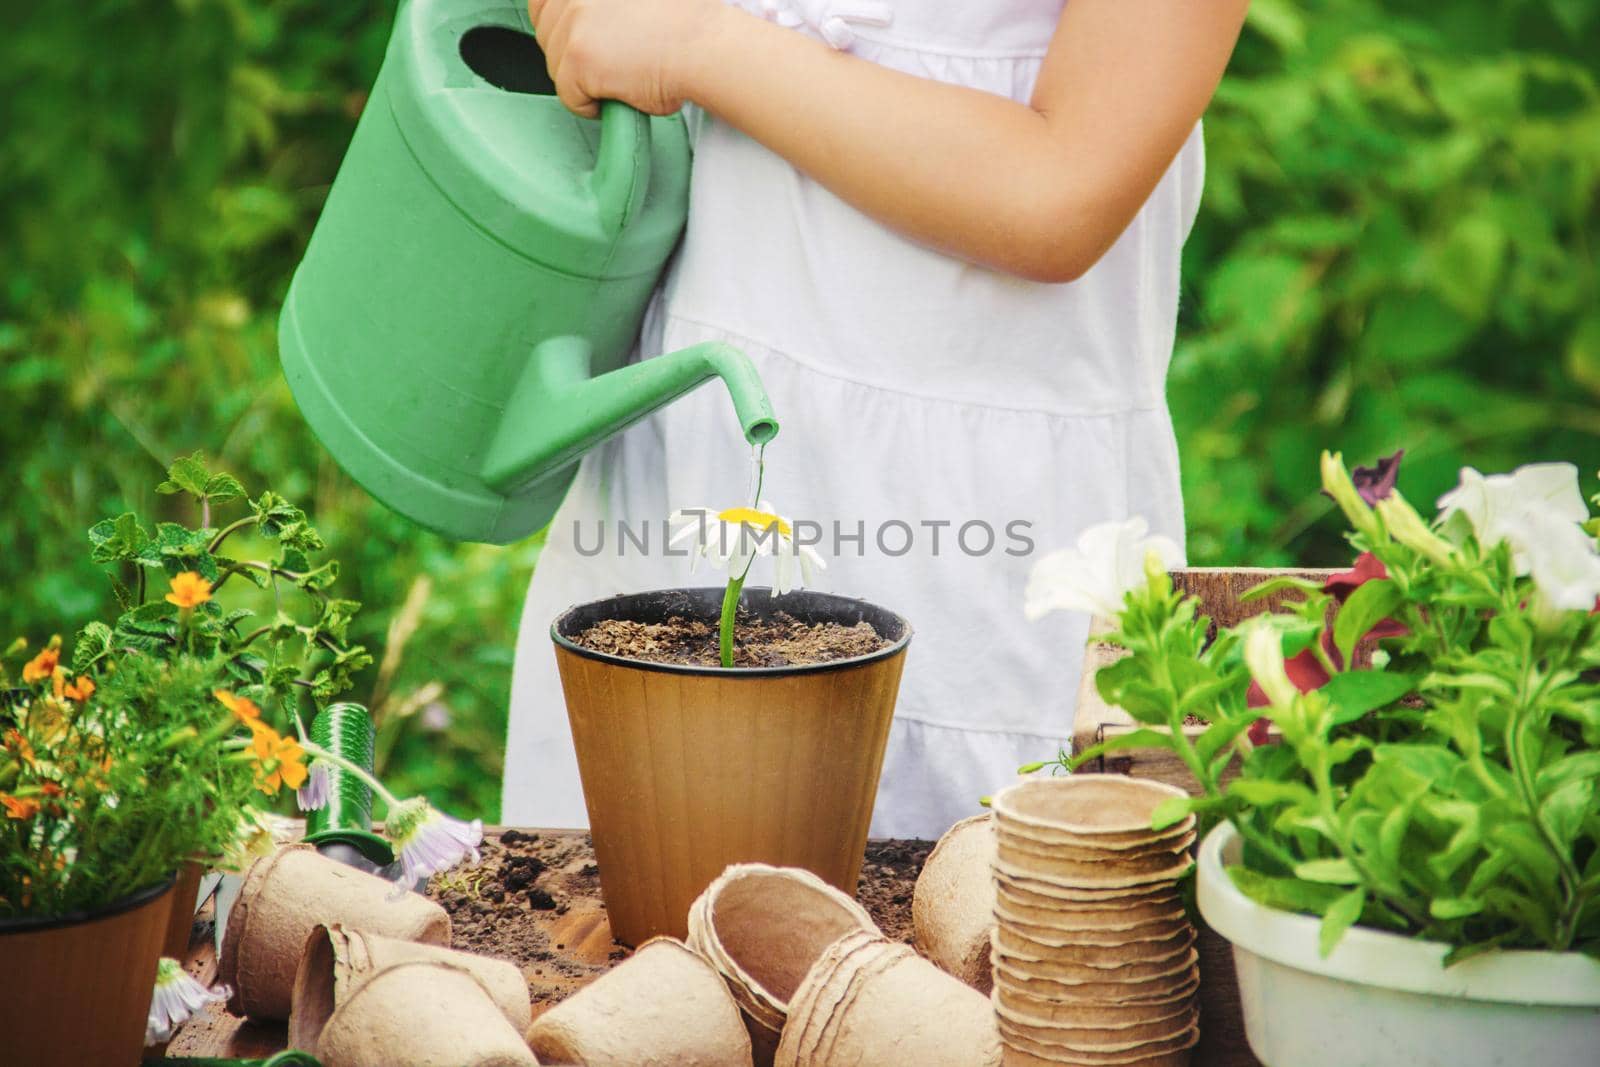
[557,411]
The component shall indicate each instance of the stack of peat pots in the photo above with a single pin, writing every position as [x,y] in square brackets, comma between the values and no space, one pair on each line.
[1094,958]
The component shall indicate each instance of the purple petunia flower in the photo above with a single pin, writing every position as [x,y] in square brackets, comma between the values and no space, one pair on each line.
[1375,483]
[313,796]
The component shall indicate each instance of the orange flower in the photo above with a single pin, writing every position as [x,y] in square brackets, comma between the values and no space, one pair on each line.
[244,709]
[19,807]
[279,760]
[82,689]
[15,742]
[189,590]
[42,666]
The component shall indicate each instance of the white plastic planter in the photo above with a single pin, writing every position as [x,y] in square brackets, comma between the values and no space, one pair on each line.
[1381,1000]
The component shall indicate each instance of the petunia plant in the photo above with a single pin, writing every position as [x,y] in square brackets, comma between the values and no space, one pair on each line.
[1417,739]
[734,538]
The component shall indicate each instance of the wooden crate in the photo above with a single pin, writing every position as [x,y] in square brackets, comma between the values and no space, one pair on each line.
[1222,1039]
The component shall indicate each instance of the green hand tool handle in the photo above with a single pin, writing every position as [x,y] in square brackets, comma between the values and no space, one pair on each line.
[346,818]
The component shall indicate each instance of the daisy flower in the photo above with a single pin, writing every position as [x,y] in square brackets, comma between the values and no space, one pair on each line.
[177,997]
[428,840]
[734,537]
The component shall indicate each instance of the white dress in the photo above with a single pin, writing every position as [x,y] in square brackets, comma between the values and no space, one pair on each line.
[910,386]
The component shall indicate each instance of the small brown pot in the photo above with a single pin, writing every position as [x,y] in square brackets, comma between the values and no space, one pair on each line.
[663,1007]
[1112,898]
[1013,997]
[1031,1041]
[689,769]
[1136,869]
[1015,1057]
[336,961]
[953,906]
[1042,910]
[437,1012]
[1061,947]
[763,928]
[289,894]
[181,923]
[1102,810]
[1085,1034]
[880,1003]
[1047,982]
[79,985]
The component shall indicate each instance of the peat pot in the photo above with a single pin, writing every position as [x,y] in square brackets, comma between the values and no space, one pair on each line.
[1380,999]
[688,769]
[80,984]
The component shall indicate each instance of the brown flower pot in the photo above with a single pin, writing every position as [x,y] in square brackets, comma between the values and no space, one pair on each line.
[79,986]
[877,1002]
[337,960]
[664,1007]
[181,923]
[438,1013]
[763,928]
[284,898]
[953,905]
[687,770]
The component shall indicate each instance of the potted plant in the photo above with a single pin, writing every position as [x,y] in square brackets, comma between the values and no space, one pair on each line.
[160,749]
[108,786]
[1411,874]
[727,725]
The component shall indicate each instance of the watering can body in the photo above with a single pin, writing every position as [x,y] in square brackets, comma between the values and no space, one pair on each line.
[457,331]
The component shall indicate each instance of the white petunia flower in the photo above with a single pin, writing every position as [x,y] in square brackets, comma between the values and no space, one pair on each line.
[1561,558]
[1494,504]
[178,995]
[734,537]
[430,841]
[1097,575]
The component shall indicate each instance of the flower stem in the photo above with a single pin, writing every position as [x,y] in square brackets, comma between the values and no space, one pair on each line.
[730,611]
[317,751]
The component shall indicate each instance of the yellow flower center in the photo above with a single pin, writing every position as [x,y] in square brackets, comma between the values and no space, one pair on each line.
[761,520]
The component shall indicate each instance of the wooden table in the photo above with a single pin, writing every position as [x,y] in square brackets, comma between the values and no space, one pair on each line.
[577,938]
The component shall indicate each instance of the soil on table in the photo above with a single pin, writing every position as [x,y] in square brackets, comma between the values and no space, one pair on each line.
[779,641]
[535,900]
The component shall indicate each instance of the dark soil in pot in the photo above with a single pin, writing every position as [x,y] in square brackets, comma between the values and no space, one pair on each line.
[678,628]
[779,641]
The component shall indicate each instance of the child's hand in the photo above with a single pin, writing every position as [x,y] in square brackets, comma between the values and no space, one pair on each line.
[637,51]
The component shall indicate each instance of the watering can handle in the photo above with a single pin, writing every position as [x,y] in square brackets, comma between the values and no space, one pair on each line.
[622,166]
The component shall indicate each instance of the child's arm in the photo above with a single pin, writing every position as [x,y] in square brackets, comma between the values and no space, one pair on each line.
[1039,190]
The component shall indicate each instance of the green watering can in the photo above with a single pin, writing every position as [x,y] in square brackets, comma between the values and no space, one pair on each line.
[457,332]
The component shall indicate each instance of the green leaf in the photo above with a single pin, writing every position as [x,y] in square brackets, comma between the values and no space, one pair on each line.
[1355,693]
[1265,793]
[1328,872]
[1171,811]
[1285,894]
[1341,915]
[1565,809]
[118,540]
[1449,908]
[188,474]
[93,641]
[1369,605]
[223,487]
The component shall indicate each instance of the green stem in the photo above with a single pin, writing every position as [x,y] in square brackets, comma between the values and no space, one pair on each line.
[317,751]
[231,528]
[730,611]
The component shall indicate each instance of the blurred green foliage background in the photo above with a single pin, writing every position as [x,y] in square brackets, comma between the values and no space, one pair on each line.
[1399,246]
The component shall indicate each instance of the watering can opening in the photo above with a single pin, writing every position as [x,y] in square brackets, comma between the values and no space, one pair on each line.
[508,59]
